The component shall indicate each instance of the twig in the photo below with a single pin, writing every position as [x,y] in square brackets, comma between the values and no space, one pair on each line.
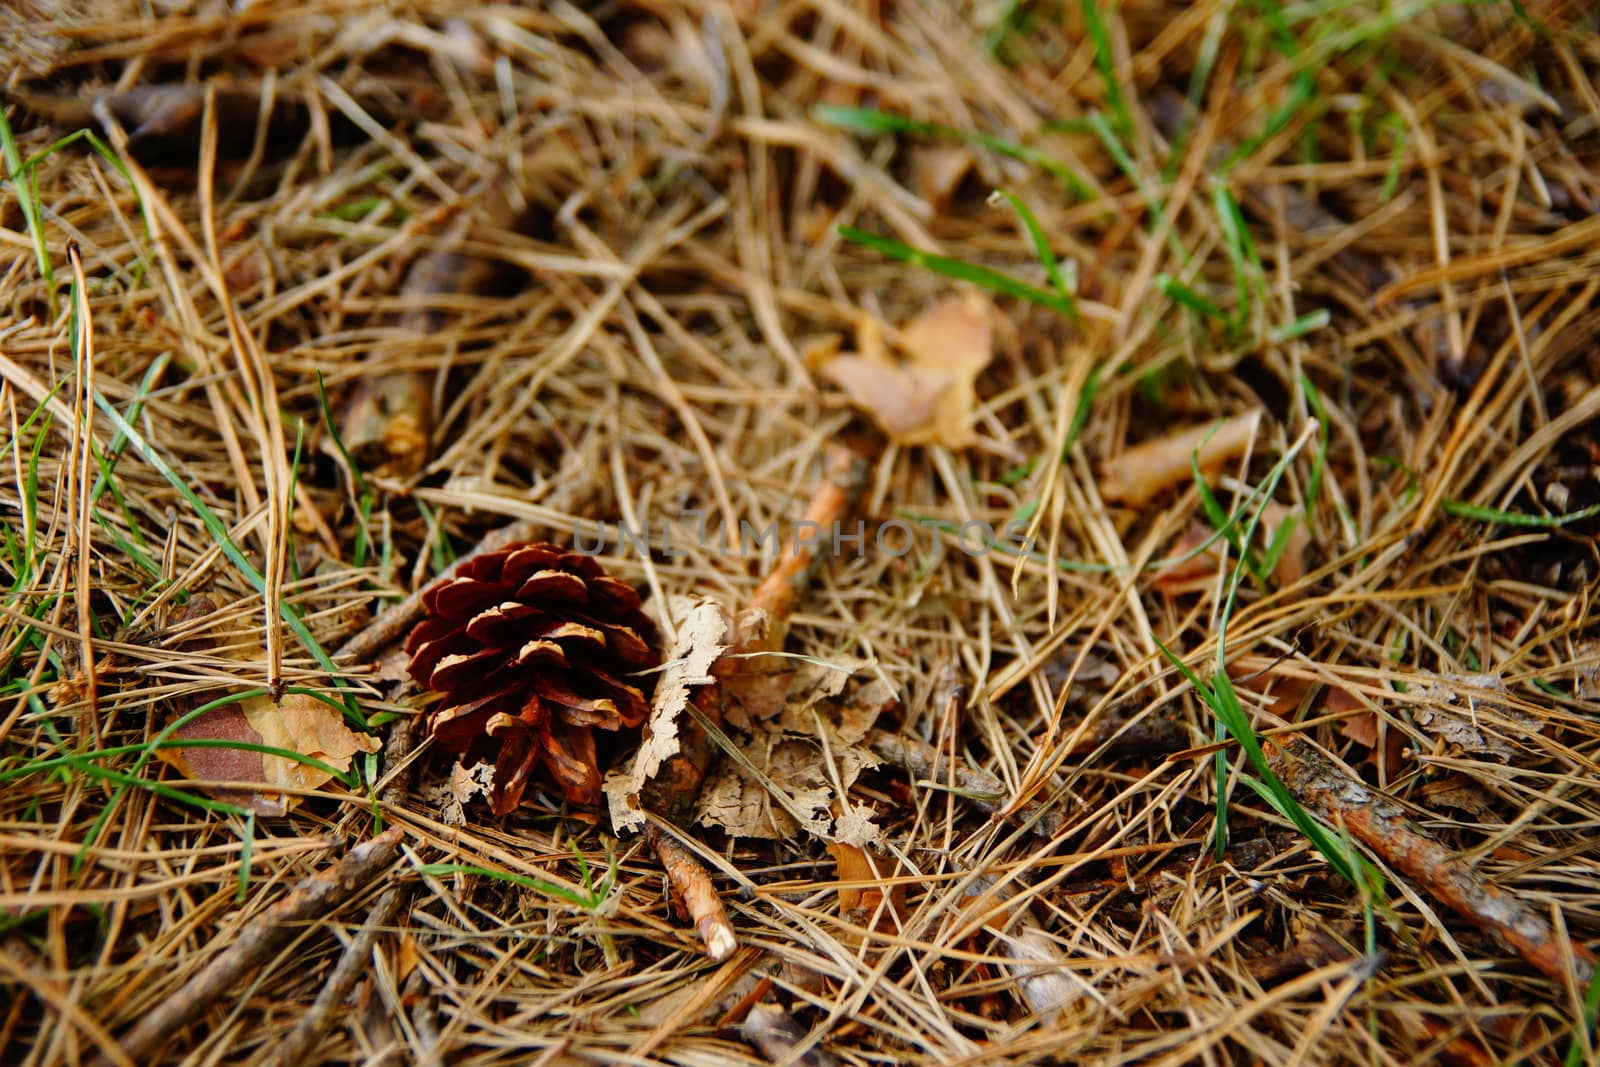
[694,894]
[1381,824]
[351,968]
[1314,950]
[979,788]
[261,938]
[397,749]
[387,417]
[765,624]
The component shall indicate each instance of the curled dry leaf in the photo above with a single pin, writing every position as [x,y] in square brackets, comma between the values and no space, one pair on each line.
[1146,470]
[702,631]
[451,797]
[1035,961]
[780,1039]
[930,397]
[298,723]
[937,171]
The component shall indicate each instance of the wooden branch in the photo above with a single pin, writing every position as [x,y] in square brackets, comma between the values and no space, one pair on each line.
[263,937]
[1383,826]
[694,894]
[976,787]
[351,969]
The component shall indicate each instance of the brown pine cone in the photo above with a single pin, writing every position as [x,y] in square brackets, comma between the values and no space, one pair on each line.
[529,646]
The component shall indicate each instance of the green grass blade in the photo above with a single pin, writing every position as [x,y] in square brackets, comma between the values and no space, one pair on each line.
[219,533]
[1178,293]
[960,270]
[1460,509]
[27,194]
[1310,322]
[1105,62]
[1041,249]
[586,901]
[870,122]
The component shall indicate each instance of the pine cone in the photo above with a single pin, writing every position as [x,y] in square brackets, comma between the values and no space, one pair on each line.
[528,646]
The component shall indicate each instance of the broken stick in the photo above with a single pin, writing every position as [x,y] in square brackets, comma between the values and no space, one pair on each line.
[386,421]
[1383,826]
[924,762]
[694,894]
[313,897]
[351,969]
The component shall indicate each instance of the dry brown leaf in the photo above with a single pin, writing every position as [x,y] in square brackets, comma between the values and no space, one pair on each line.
[298,723]
[1362,729]
[406,958]
[453,795]
[1037,963]
[1474,723]
[862,898]
[1144,471]
[741,805]
[1458,793]
[822,700]
[698,644]
[937,171]
[930,397]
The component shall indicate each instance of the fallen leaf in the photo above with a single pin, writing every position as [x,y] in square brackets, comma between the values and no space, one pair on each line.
[798,796]
[930,397]
[1362,729]
[1586,682]
[862,898]
[783,783]
[1458,793]
[1038,965]
[298,723]
[1144,471]
[456,792]
[698,643]
[406,958]
[1472,722]
[937,171]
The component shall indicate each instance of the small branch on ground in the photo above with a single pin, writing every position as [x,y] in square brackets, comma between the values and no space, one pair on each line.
[387,417]
[694,894]
[312,898]
[351,969]
[1314,950]
[924,762]
[400,746]
[1383,826]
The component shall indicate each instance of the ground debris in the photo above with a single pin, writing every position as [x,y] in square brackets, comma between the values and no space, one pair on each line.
[1463,712]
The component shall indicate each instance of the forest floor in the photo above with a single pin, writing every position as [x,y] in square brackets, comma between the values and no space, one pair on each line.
[1212,675]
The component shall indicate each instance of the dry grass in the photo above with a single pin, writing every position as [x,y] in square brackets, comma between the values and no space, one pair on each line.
[1426,174]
